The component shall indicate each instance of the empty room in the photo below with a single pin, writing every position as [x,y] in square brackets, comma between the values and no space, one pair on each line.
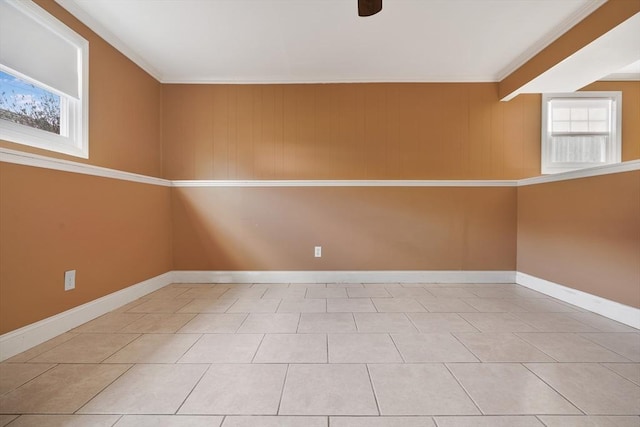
[320,213]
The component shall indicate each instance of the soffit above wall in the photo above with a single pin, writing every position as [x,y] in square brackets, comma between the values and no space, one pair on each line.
[269,41]
[630,72]
[604,42]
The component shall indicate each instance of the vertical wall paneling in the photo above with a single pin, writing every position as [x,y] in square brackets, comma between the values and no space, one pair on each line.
[348,131]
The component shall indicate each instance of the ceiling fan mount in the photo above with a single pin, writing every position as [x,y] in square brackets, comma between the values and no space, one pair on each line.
[369,7]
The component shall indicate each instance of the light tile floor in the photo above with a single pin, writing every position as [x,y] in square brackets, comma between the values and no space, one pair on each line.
[332,355]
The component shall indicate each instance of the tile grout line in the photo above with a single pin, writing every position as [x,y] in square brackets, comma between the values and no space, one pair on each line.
[246,316]
[605,347]
[373,390]
[446,366]
[190,347]
[204,373]
[541,422]
[404,361]
[140,335]
[255,353]
[578,334]
[105,387]
[467,348]
[284,383]
[326,340]
[524,365]
[55,365]
[617,373]
[299,320]
[517,334]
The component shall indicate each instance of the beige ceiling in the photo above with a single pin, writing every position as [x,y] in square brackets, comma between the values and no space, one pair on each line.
[244,41]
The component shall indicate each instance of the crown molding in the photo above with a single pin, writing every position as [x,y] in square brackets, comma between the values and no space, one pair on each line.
[73,8]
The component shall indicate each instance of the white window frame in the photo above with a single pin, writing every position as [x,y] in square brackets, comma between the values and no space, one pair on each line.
[74,112]
[614,146]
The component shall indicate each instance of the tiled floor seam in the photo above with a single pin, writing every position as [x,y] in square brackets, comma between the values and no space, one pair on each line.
[541,421]
[189,348]
[105,387]
[32,379]
[204,373]
[467,348]
[517,334]
[446,365]
[583,412]
[604,365]
[326,341]
[255,353]
[397,349]
[284,384]
[579,335]
[373,391]
[585,336]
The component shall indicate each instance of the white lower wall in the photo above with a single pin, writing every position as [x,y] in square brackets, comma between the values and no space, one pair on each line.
[22,339]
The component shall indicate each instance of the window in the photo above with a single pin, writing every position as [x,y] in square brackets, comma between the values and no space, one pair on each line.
[580,130]
[27,104]
[43,80]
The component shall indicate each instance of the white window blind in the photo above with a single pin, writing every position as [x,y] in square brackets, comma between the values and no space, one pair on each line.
[580,130]
[45,68]
[32,47]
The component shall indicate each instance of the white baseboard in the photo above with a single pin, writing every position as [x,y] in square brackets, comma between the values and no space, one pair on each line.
[343,276]
[611,309]
[22,339]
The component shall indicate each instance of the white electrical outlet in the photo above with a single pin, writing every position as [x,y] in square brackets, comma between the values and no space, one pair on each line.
[69,280]
[318,252]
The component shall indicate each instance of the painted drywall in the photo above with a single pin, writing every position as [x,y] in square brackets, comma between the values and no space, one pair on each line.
[359,228]
[584,234]
[349,131]
[113,233]
[124,107]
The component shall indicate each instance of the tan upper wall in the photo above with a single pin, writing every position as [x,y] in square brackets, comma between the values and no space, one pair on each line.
[360,131]
[584,234]
[332,131]
[124,107]
[348,131]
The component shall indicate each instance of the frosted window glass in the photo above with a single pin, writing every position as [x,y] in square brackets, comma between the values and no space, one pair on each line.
[579,149]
